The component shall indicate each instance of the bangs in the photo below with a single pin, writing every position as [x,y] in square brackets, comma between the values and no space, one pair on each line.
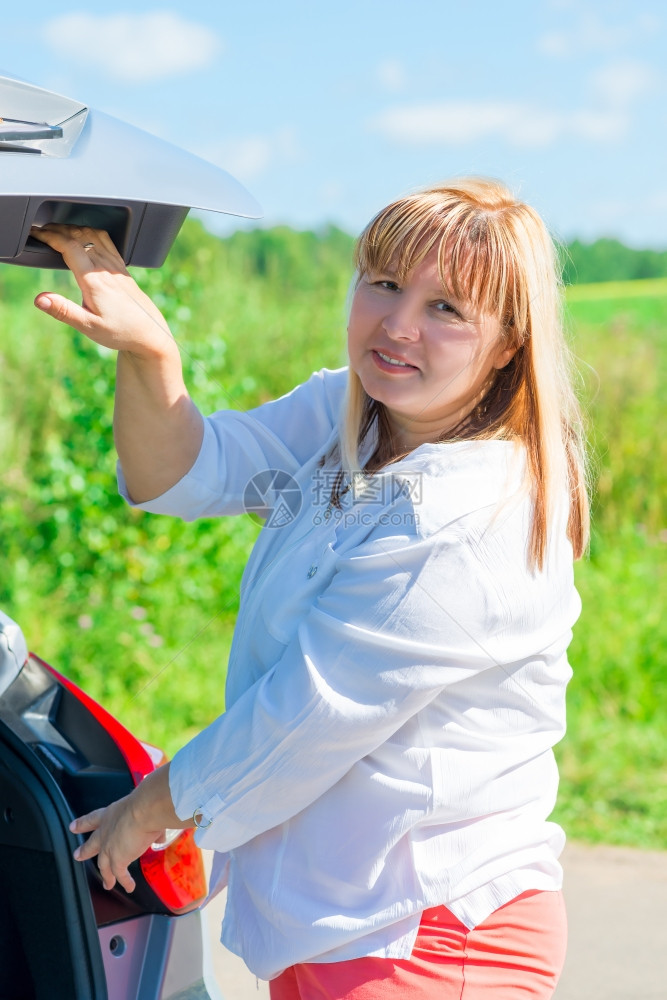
[476,255]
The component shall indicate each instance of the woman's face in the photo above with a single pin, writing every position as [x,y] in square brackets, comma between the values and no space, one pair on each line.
[428,358]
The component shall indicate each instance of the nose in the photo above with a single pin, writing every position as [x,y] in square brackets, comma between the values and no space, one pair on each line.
[401,322]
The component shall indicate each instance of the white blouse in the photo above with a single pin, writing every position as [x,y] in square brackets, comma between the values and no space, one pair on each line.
[395,686]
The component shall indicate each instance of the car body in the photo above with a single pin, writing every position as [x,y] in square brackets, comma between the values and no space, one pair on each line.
[62,936]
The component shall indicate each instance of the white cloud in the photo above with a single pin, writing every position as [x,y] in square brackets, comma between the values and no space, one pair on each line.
[618,216]
[600,125]
[248,157]
[134,48]
[391,76]
[657,202]
[332,193]
[456,123]
[554,43]
[588,34]
[591,33]
[450,122]
[623,82]
[604,117]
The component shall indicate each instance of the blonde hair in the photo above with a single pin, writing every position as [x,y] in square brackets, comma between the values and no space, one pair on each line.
[495,253]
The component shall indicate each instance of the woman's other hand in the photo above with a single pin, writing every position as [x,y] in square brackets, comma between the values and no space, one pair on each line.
[114,311]
[122,831]
[117,839]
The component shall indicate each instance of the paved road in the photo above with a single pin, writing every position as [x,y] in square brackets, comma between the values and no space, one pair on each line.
[617,914]
[617,911]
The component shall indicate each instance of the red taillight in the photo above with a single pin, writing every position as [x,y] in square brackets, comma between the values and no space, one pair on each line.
[175,871]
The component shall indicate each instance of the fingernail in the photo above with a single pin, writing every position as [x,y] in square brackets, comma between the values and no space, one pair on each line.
[43,302]
[77,854]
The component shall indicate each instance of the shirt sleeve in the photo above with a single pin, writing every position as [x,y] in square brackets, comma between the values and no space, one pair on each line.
[280,435]
[402,618]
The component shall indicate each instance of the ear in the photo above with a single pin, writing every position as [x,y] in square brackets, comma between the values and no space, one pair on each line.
[504,357]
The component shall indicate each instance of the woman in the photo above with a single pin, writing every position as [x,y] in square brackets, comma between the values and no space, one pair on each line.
[379,786]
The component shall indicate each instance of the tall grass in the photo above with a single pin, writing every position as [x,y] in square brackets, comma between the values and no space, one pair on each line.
[140,609]
[614,760]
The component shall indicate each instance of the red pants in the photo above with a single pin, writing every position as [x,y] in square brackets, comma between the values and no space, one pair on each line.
[515,954]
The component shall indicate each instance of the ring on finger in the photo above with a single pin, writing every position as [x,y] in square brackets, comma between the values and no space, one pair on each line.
[88,246]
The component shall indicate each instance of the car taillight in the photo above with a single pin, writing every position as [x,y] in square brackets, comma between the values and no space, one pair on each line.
[173,868]
[175,872]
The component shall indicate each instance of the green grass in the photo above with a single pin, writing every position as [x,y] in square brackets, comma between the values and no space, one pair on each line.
[614,758]
[642,288]
[140,609]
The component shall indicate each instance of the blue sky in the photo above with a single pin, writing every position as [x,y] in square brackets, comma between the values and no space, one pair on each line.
[326,111]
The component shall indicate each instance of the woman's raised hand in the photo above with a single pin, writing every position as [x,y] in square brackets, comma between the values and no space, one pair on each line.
[157,428]
[114,311]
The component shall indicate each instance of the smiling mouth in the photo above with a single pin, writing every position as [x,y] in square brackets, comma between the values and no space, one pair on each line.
[394,361]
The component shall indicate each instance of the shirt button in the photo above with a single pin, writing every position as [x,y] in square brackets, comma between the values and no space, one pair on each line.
[312,571]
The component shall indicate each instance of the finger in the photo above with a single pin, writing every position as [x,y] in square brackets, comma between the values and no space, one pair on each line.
[106,874]
[88,850]
[81,245]
[62,239]
[60,308]
[84,234]
[125,879]
[90,821]
[109,877]
[101,239]
[52,230]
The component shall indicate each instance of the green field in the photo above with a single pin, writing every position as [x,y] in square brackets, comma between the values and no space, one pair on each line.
[140,609]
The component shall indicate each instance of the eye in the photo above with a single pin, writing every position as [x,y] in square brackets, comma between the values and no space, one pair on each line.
[386,283]
[445,307]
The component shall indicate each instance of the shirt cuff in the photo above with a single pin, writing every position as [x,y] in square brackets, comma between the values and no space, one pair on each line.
[215,830]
